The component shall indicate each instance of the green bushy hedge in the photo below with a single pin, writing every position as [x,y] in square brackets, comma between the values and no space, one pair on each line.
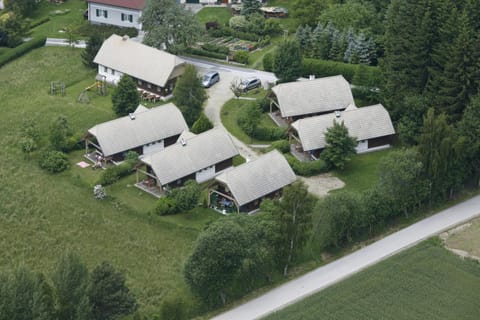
[20,50]
[268,62]
[241,56]
[324,68]
[38,22]
[306,169]
[113,174]
[166,206]
[216,48]
[281,145]
[269,133]
[204,53]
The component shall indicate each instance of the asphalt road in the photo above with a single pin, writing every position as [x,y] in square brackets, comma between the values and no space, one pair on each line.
[340,269]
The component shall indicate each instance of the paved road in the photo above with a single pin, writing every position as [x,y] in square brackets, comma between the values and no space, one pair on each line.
[220,93]
[331,273]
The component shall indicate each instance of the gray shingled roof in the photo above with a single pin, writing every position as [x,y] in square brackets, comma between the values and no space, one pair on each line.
[259,177]
[313,96]
[362,123]
[138,60]
[148,126]
[199,152]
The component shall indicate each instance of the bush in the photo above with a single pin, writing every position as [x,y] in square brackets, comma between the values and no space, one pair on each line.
[323,68]
[281,145]
[187,197]
[264,104]
[202,124]
[216,48]
[99,192]
[268,62]
[174,308]
[166,206]
[22,49]
[269,133]
[241,56]
[113,174]
[265,41]
[306,169]
[238,23]
[54,161]
[204,53]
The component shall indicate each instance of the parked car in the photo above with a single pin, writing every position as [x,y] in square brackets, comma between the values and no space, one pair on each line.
[210,78]
[249,84]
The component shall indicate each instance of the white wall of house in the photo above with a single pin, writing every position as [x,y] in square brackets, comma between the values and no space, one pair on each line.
[111,76]
[153,147]
[117,16]
[362,146]
[205,174]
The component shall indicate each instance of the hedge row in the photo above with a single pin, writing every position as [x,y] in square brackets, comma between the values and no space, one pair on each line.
[216,48]
[22,49]
[204,53]
[322,68]
[38,22]
[306,169]
[113,174]
[269,133]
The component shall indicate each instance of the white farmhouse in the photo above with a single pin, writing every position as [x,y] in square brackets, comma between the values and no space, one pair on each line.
[122,13]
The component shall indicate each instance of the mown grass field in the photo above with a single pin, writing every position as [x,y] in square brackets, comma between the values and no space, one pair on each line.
[43,215]
[424,282]
[221,14]
[361,173]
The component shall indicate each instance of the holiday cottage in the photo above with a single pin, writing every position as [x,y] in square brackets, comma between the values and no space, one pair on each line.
[122,13]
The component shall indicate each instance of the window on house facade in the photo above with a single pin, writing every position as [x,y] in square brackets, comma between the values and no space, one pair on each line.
[105,13]
[105,69]
[113,72]
[124,17]
[98,12]
[130,17]
[149,86]
[159,89]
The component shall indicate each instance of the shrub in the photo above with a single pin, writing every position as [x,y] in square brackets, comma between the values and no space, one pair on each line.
[166,206]
[238,23]
[269,133]
[246,36]
[264,104]
[216,48]
[22,49]
[201,124]
[54,161]
[306,169]
[281,145]
[113,174]
[99,192]
[265,41]
[186,198]
[241,56]
[268,62]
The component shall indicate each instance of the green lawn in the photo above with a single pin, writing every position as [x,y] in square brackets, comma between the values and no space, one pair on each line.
[73,19]
[289,22]
[424,282]
[229,116]
[42,215]
[361,172]
[221,15]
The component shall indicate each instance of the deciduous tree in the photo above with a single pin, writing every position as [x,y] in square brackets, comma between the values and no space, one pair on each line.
[287,64]
[340,146]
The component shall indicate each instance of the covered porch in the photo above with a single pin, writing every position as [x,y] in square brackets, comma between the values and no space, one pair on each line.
[148,182]
[297,151]
[222,202]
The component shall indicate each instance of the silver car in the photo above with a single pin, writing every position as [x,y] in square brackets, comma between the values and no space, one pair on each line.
[249,84]
[210,78]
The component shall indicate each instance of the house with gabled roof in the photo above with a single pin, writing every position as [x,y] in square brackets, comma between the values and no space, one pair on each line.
[144,131]
[310,97]
[194,157]
[242,189]
[371,126]
[155,71]
[122,13]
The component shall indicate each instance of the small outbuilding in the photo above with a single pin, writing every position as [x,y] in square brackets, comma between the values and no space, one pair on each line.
[310,97]
[194,157]
[242,189]
[371,126]
[145,131]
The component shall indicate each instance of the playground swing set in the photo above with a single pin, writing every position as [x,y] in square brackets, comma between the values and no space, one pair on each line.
[101,86]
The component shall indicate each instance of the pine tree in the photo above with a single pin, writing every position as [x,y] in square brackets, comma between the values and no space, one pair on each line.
[317,41]
[304,38]
[351,51]
[340,146]
[125,98]
[338,47]
[250,7]
[93,45]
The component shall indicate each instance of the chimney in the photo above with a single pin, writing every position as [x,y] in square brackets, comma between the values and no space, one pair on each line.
[183,142]
[131,116]
[337,114]
[311,77]
[125,37]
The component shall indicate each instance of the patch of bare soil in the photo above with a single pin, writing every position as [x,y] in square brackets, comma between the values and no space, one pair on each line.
[320,185]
